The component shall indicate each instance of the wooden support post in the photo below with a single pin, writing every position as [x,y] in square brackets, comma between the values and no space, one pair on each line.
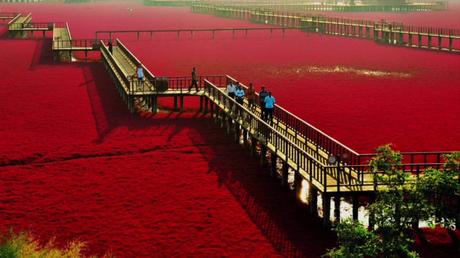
[253,146]
[206,104]
[371,214]
[201,103]
[245,137]
[312,198]
[326,210]
[175,103]
[223,118]
[263,154]
[337,201]
[211,107]
[451,43]
[228,122]
[355,206]
[236,128]
[181,103]
[274,160]
[439,42]
[131,104]
[297,184]
[285,175]
[155,104]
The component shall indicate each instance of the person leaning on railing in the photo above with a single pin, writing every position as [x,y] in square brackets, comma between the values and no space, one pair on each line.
[251,96]
[262,95]
[231,88]
[239,94]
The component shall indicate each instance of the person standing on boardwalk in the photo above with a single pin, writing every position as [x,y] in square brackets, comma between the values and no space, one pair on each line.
[262,95]
[194,80]
[140,74]
[231,90]
[239,94]
[251,96]
[269,107]
[110,47]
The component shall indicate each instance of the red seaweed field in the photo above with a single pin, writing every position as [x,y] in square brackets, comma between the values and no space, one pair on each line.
[75,164]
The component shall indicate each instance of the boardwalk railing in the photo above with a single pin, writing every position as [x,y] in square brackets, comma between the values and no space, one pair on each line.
[380,31]
[330,7]
[304,147]
[8,15]
[32,26]
[321,146]
[297,158]
[76,44]
[110,33]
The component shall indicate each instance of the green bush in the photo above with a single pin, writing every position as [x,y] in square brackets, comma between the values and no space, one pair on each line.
[355,241]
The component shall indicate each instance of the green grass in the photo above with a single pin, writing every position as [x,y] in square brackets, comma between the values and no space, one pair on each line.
[24,245]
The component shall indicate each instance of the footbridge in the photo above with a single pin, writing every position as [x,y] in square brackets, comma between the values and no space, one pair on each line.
[383,32]
[294,149]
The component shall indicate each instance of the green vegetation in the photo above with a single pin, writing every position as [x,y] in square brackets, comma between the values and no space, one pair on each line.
[25,246]
[355,241]
[399,206]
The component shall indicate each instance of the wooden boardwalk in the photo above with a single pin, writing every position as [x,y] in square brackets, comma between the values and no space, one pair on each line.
[7,15]
[296,137]
[312,6]
[109,34]
[390,33]
[303,150]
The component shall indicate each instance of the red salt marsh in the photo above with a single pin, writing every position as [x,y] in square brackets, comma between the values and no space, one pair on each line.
[375,94]
[77,165]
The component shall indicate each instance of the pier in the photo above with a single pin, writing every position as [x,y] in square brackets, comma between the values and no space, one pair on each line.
[150,33]
[331,169]
[296,153]
[325,6]
[383,32]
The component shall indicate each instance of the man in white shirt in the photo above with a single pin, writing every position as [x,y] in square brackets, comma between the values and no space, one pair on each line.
[231,89]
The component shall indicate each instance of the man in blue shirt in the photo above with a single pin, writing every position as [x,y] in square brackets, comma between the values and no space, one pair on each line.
[239,94]
[140,74]
[269,102]
[262,95]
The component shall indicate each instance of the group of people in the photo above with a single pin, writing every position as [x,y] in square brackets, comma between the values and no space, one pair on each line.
[234,90]
[266,100]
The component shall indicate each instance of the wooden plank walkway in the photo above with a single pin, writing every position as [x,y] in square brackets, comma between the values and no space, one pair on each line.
[110,33]
[302,147]
[315,7]
[391,33]
[21,26]
[7,15]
